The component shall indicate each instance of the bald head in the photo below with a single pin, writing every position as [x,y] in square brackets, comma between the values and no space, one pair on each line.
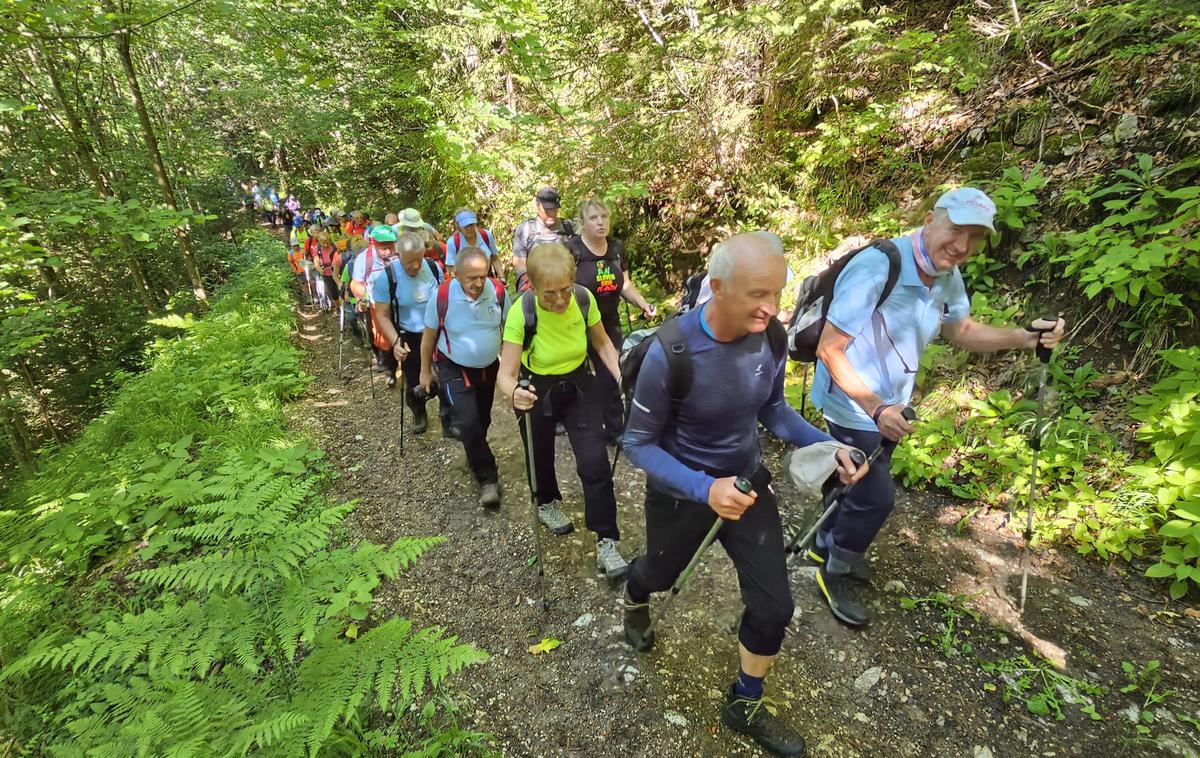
[748,250]
[747,273]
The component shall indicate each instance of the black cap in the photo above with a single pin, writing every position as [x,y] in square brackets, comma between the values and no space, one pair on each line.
[548,197]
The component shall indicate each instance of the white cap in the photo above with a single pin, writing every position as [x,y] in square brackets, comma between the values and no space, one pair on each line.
[968,206]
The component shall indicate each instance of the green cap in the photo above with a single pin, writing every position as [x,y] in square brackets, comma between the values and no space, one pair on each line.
[383,233]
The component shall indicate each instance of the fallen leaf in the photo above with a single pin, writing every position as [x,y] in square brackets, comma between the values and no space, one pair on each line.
[545,646]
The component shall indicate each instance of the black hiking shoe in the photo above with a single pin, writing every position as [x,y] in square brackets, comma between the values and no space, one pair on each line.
[841,593]
[638,633]
[450,432]
[420,420]
[751,718]
[859,568]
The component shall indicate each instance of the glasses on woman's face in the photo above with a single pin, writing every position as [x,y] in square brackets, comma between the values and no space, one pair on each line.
[558,294]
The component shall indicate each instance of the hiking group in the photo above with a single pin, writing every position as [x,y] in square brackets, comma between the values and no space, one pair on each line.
[683,403]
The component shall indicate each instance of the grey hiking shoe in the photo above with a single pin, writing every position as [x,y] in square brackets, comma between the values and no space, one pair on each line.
[609,562]
[554,519]
[489,495]
[751,718]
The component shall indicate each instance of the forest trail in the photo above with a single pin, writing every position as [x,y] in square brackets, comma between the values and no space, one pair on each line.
[890,689]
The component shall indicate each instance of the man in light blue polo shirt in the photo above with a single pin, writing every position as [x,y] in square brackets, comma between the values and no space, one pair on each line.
[399,295]
[867,366]
[462,322]
[468,233]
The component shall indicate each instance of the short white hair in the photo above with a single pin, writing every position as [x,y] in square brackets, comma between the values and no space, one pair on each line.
[410,242]
[725,254]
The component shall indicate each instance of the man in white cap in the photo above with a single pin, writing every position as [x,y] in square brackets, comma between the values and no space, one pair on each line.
[867,366]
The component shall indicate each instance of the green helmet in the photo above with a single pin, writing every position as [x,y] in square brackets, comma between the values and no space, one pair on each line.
[383,233]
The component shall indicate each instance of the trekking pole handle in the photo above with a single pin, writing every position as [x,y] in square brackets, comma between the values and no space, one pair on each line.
[909,414]
[858,456]
[1043,352]
[742,485]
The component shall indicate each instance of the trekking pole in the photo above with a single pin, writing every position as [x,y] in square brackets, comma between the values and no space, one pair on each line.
[531,474]
[308,282]
[1035,442]
[341,334]
[743,486]
[403,393]
[833,499]
[370,351]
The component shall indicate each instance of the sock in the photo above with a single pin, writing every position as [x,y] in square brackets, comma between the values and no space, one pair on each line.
[748,687]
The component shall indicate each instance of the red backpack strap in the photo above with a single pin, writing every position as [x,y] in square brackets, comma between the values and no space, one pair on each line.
[486,239]
[443,304]
[501,292]
[457,243]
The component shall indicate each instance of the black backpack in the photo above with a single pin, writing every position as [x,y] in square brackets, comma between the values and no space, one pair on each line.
[816,295]
[529,311]
[691,292]
[679,365]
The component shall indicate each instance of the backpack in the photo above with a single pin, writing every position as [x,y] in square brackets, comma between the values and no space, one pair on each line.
[391,277]
[529,310]
[816,295]
[443,304]
[679,365]
[691,292]
[326,264]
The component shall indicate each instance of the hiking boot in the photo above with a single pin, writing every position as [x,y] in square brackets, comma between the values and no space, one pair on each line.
[554,519]
[559,429]
[391,382]
[751,718]
[450,432]
[860,569]
[841,593]
[609,562]
[637,623]
[489,495]
[420,420]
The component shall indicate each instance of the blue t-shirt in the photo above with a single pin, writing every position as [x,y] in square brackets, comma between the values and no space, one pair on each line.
[885,345]
[472,336]
[735,385]
[458,241]
[413,294]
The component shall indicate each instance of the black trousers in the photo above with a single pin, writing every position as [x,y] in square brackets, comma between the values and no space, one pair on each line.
[675,528]
[469,392]
[572,402]
[411,368]
[608,392]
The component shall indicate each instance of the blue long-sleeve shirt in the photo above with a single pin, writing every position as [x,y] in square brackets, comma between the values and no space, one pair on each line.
[735,385]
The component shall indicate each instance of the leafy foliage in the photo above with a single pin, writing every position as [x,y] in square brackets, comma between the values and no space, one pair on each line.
[244,626]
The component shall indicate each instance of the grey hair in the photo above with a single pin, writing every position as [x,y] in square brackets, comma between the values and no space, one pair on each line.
[725,254]
[410,242]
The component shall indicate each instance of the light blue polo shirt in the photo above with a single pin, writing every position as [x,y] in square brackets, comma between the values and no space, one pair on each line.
[413,293]
[472,326]
[886,345]
[480,241]
[358,271]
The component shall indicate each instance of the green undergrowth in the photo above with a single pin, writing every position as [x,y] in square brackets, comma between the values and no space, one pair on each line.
[175,582]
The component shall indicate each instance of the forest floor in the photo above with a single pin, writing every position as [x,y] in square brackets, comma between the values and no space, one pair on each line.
[890,689]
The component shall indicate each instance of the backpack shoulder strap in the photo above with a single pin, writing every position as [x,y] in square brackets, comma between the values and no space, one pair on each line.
[888,248]
[567,227]
[584,301]
[391,277]
[443,304]
[501,292]
[529,311]
[679,363]
[435,269]
[486,239]
[777,338]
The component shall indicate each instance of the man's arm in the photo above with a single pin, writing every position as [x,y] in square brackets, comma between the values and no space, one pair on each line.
[783,420]
[428,341]
[831,351]
[520,249]
[971,335]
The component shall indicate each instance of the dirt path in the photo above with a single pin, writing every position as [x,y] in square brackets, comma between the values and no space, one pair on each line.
[887,690]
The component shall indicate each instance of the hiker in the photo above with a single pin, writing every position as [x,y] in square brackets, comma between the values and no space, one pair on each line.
[349,301]
[694,448]
[399,296]
[867,364]
[460,352]
[410,221]
[544,228]
[564,320]
[600,265]
[468,233]
[326,259]
[269,212]
[358,224]
[379,250]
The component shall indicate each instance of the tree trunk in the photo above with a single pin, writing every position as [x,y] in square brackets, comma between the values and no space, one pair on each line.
[40,399]
[87,158]
[160,170]
[18,434]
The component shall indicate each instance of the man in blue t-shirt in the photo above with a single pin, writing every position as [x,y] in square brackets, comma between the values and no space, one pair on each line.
[460,354]
[469,233]
[867,366]
[399,296]
[693,454]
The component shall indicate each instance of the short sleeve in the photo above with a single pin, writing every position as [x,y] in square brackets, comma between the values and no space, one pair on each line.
[379,289]
[958,303]
[431,313]
[514,326]
[857,291]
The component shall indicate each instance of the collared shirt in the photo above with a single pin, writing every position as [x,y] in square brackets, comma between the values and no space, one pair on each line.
[886,344]
[359,272]
[413,294]
[472,336]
